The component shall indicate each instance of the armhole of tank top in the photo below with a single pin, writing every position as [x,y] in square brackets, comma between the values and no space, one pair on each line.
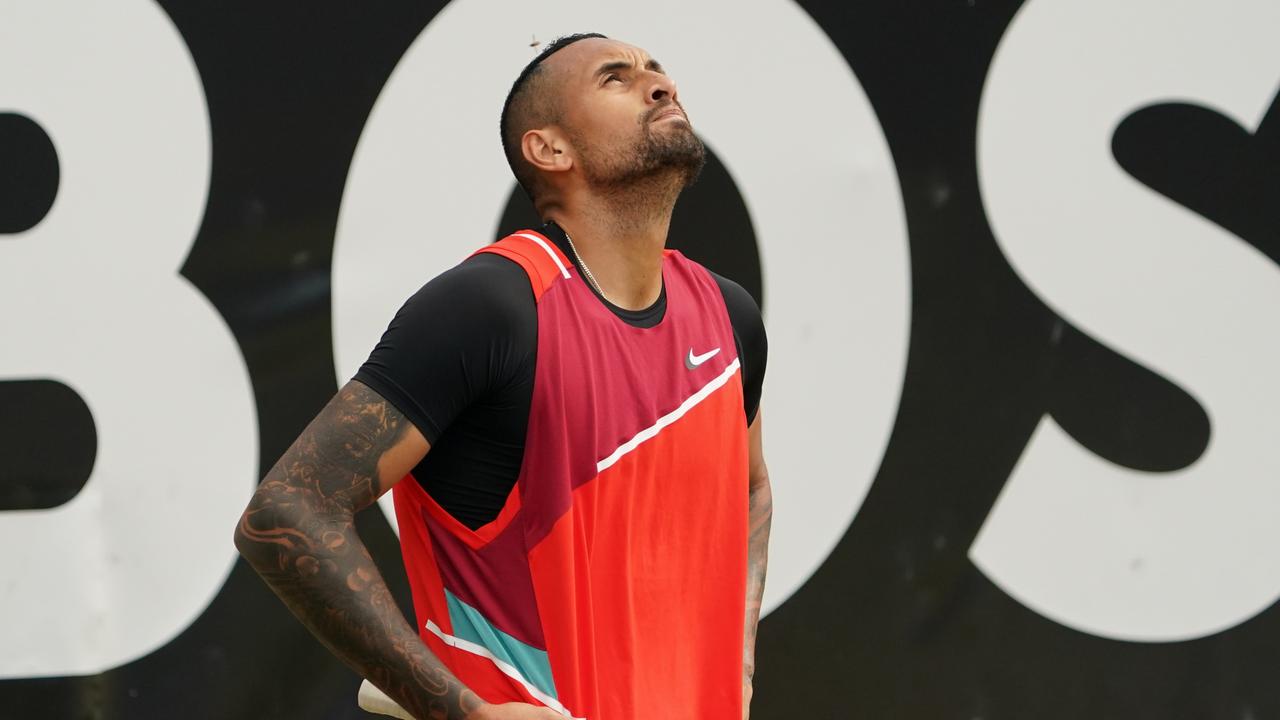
[481,536]
[543,270]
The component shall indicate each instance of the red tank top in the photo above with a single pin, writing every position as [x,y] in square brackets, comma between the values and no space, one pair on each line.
[612,584]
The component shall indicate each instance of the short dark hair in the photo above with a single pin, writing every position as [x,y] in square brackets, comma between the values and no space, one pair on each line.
[527,105]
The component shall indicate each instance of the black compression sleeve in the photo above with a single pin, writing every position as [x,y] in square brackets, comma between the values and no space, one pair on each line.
[470,331]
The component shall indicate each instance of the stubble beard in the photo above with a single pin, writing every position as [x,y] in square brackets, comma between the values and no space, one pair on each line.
[669,160]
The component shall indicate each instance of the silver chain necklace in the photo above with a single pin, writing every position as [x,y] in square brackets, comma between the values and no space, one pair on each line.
[585,270]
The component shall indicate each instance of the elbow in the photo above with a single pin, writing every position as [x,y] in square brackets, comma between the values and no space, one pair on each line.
[758,480]
[256,536]
[760,496]
[239,538]
[274,527]
[242,538]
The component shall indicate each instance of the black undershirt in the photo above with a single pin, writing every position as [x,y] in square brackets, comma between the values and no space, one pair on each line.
[458,361]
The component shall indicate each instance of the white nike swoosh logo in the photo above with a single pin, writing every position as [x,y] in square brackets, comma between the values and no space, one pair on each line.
[693,361]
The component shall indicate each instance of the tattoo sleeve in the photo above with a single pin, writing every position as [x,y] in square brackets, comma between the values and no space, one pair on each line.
[760,517]
[298,532]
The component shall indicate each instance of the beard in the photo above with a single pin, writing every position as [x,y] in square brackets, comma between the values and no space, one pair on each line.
[673,153]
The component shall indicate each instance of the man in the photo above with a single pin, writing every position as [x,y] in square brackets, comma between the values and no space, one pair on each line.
[569,418]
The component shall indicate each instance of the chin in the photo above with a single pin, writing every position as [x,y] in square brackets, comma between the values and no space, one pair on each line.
[687,158]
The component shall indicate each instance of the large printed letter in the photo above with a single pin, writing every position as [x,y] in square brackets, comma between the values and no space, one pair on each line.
[1105,549]
[91,297]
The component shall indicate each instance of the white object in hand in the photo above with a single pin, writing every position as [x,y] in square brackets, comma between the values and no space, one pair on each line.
[373,700]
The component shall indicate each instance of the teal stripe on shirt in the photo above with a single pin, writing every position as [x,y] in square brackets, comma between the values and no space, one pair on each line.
[469,624]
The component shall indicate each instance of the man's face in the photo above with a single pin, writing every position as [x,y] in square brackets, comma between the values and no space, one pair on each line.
[623,115]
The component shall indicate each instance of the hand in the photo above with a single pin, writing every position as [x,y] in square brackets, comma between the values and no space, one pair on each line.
[513,711]
[746,699]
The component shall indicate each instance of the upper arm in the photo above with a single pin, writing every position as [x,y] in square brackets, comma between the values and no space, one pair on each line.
[752,341]
[758,472]
[467,333]
[403,451]
[355,449]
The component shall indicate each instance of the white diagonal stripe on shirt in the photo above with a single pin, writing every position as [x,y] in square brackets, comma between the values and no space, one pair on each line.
[665,420]
[506,668]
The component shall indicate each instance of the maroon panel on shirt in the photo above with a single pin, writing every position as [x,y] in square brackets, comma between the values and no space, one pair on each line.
[494,579]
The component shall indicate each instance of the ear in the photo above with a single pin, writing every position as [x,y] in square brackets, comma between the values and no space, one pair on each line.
[547,149]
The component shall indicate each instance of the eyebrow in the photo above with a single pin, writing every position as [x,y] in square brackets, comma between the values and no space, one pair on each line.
[609,67]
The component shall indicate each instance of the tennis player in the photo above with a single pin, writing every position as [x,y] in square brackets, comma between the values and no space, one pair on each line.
[570,420]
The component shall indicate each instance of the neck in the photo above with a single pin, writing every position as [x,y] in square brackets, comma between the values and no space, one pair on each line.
[620,234]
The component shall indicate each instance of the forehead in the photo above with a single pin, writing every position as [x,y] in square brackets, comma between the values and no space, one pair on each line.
[581,59]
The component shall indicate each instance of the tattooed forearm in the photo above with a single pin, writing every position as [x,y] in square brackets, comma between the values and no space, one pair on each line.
[298,532]
[760,518]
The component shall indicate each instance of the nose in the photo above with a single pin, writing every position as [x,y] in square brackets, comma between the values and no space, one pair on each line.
[663,88]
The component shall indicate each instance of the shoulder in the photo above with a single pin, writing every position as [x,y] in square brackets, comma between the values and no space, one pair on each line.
[484,288]
[749,334]
[467,333]
[744,313]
